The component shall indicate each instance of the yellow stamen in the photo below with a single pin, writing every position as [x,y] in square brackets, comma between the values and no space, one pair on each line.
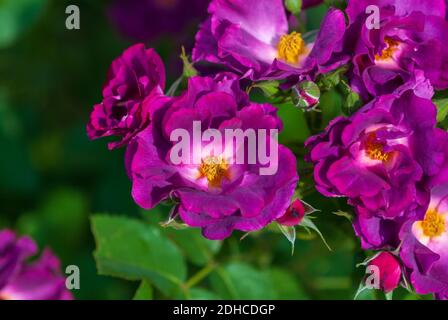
[433,225]
[374,149]
[291,47]
[391,48]
[214,169]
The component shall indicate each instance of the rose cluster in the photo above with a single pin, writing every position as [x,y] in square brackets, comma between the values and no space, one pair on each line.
[388,158]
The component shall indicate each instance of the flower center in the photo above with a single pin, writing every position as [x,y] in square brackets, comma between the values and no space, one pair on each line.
[391,48]
[291,47]
[434,224]
[375,149]
[214,169]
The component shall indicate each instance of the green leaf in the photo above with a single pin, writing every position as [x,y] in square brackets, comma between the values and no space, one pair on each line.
[129,249]
[189,70]
[294,6]
[144,291]
[308,223]
[241,281]
[295,129]
[364,293]
[309,209]
[351,101]
[269,88]
[332,79]
[347,215]
[367,260]
[411,296]
[290,233]
[331,105]
[197,249]
[16,17]
[174,224]
[173,89]
[415,296]
[203,294]
[286,286]
[442,108]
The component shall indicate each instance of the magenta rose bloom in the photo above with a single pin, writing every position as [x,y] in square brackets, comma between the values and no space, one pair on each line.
[375,231]
[380,158]
[411,37]
[390,270]
[216,192]
[37,280]
[251,38]
[441,147]
[379,233]
[133,76]
[145,20]
[425,246]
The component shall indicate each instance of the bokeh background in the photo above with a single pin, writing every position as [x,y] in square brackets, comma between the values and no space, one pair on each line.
[52,178]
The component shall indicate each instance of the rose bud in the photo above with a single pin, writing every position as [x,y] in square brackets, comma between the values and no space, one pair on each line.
[293,215]
[389,271]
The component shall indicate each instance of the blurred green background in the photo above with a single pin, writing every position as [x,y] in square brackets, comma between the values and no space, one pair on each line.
[53,179]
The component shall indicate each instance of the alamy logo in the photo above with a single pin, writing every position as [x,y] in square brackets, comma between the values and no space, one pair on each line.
[73,21]
[373,278]
[235,146]
[72,282]
[373,20]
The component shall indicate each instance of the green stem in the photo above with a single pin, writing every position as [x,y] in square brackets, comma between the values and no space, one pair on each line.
[200,275]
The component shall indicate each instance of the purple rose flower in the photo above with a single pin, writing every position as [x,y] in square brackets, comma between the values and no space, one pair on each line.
[133,76]
[379,233]
[144,20]
[441,147]
[251,38]
[411,37]
[20,280]
[390,270]
[425,246]
[216,192]
[380,158]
